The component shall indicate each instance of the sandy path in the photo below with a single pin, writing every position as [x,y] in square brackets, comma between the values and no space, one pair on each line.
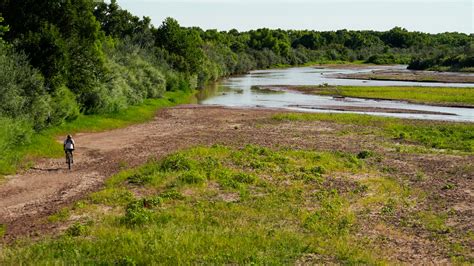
[27,198]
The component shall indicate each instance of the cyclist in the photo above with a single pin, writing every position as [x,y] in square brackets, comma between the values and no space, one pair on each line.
[69,145]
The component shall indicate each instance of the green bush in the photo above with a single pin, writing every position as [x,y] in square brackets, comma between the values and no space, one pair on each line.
[22,89]
[14,133]
[64,105]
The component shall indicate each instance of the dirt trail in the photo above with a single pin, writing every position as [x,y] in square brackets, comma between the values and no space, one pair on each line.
[27,199]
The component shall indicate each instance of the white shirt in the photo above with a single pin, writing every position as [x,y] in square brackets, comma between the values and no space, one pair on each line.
[69,145]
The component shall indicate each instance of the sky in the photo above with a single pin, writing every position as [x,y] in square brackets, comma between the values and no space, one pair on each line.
[431,16]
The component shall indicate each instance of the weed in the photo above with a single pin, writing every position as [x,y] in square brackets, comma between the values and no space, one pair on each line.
[137,214]
[257,150]
[172,194]
[79,205]
[209,164]
[389,207]
[244,178]
[176,162]
[112,196]
[420,176]
[311,174]
[225,179]
[139,179]
[77,229]
[365,154]
[434,222]
[192,177]
[3,230]
[331,219]
[361,189]
[123,165]
[449,186]
[60,216]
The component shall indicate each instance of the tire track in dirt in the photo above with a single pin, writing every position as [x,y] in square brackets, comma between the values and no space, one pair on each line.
[27,198]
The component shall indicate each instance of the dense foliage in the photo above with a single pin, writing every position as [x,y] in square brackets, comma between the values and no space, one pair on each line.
[60,58]
[461,59]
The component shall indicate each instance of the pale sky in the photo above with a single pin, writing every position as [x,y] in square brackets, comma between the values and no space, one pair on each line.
[432,16]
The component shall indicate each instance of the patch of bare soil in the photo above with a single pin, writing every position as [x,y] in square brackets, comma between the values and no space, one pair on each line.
[408,75]
[28,198]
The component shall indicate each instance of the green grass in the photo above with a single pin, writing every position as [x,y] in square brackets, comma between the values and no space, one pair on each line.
[215,205]
[433,95]
[431,134]
[44,144]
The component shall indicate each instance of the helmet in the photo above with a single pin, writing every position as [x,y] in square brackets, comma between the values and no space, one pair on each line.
[69,136]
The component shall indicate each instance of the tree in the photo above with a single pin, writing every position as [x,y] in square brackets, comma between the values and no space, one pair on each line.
[62,39]
[184,45]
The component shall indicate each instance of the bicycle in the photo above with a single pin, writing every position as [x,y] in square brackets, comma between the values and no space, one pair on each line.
[69,158]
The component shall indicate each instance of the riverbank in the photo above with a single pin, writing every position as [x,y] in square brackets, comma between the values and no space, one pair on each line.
[44,144]
[282,187]
[440,96]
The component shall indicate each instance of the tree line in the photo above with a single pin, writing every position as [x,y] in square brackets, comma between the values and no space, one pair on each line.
[60,58]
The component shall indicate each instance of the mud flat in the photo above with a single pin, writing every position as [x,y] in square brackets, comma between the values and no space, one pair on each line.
[408,75]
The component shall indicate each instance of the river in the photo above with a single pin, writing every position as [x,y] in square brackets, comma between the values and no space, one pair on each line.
[236,92]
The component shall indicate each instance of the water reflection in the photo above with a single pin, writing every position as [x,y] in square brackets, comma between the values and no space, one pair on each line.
[237,92]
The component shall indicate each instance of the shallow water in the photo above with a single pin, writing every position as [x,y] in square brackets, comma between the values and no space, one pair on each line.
[236,92]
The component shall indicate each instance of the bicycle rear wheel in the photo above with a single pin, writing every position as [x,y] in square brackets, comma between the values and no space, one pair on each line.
[68,159]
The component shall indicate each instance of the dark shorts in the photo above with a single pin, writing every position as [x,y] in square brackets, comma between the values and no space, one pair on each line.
[70,150]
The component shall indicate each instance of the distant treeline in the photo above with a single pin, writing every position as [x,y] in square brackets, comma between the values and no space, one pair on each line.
[59,58]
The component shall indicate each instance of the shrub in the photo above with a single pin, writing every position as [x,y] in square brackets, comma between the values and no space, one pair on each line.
[64,106]
[22,89]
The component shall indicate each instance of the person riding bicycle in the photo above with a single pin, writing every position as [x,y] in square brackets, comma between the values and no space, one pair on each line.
[69,146]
